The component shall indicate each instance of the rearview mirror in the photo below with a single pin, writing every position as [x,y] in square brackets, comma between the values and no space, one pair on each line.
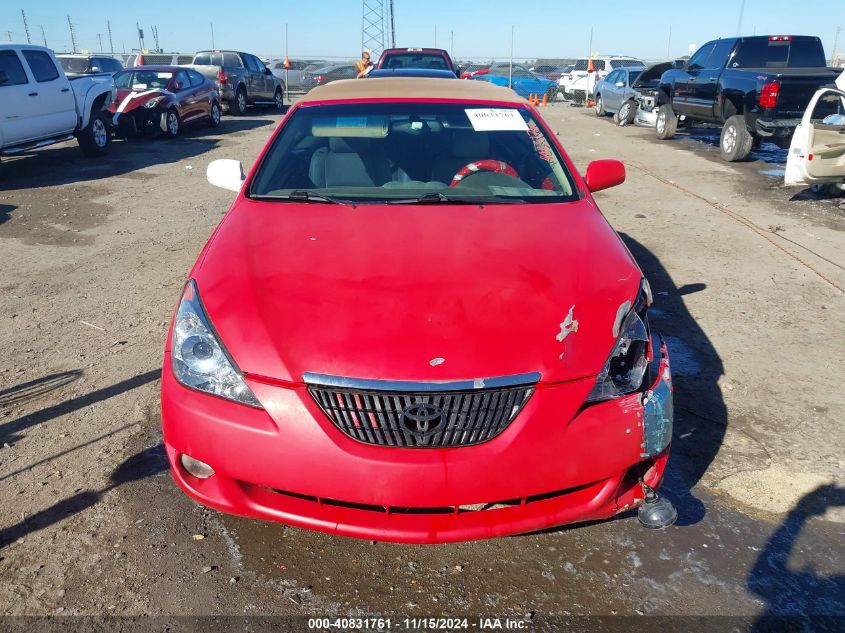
[226,173]
[603,174]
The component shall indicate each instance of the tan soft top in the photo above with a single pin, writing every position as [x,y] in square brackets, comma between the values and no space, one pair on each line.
[411,88]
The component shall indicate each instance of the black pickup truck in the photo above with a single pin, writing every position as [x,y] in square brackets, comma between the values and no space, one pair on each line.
[756,88]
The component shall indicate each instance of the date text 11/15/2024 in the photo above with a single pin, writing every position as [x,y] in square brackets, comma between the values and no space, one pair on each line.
[417,624]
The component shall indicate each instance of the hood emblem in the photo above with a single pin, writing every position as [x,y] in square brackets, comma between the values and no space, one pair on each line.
[422,419]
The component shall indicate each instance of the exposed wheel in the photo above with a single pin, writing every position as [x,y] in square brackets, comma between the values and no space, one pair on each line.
[736,141]
[214,115]
[170,123]
[279,99]
[667,122]
[238,105]
[627,112]
[600,111]
[95,139]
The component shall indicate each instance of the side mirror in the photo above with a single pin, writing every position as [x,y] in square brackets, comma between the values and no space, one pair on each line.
[603,174]
[4,78]
[227,173]
[620,84]
[267,71]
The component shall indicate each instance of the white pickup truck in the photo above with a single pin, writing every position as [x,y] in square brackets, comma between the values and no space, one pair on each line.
[40,106]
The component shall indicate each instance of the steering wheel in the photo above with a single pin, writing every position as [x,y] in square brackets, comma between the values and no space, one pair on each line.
[489,164]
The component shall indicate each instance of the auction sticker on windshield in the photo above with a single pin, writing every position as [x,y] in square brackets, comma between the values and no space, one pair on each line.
[496,120]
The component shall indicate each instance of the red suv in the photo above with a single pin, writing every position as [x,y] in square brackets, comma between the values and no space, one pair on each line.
[428,58]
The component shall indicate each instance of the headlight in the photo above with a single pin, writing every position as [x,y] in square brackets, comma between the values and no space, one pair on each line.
[199,359]
[625,368]
[154,101]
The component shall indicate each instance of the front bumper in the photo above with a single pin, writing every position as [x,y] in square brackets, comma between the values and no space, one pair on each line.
[139,121]
[289,463]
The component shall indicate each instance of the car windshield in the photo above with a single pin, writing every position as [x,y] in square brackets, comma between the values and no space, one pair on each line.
[414,60]
[413,152]
[74,64]
[142,79]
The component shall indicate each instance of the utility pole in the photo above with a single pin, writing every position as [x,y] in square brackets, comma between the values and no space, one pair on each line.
[739,24]
[452,44]
[43,35]
[100,40]
[111,44]
[140,38]
[214,48]
[510,66]
[435,36]
[669,44]
[26,27]
[392,25]
[9,35]
[72,34]
[835,43]
[155,38]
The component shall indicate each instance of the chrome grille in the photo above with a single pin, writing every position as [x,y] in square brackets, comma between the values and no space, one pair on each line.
[421,415]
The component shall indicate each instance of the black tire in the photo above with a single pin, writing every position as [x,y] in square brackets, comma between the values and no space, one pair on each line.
[95,139]
[600,111]
[627,112]
[279,99]
[170,123]
[238,104]
[667,122]
[216,113]
[735,142]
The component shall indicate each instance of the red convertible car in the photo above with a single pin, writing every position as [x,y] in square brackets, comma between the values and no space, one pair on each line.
[414,324]
[162,99]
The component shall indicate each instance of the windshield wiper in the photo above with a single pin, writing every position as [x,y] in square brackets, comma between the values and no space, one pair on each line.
[301,195]
[436,197]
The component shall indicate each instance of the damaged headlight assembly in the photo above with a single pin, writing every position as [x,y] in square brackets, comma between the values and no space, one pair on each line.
[154,101]
[199,359]
[626,366]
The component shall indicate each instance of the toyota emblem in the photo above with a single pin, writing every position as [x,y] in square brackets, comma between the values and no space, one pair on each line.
[422,419]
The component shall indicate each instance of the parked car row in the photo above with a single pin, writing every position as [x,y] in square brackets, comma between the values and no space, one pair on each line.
[756,89]
[46,99]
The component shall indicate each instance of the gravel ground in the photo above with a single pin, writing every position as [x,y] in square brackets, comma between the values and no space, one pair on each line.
[747,277]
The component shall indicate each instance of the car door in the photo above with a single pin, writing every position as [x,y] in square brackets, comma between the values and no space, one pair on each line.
[51,100]
[184,98]
[706,86]
[16,120]
[684,99]
[610,91]
[817,152]
[202,93]
[256,69]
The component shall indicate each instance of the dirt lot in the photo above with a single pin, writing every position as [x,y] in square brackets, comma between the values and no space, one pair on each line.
[748,279]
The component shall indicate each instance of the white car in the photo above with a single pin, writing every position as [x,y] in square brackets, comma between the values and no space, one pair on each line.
[578,83]
[817,152]
[40,106]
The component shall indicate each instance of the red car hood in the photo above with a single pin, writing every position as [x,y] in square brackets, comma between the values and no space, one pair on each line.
[128,100]
[416,292]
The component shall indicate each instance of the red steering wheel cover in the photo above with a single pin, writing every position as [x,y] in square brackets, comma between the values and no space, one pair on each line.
[483,165]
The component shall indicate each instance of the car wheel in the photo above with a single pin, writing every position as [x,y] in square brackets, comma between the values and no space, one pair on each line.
[627,112]
[214,115]
[667,122]
[600,111]
[95,139]
[238,106]
[170,123]
[735,141]
[279,99]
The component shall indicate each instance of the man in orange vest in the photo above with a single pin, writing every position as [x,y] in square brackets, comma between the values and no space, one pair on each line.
[364,65]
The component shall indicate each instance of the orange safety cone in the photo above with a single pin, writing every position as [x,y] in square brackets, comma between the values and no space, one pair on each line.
[545,100]
[536,100]
[531,98]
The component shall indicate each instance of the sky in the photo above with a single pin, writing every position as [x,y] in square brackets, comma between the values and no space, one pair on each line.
[473,30]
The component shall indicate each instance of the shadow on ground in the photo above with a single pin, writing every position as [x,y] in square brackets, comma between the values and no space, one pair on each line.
[146,463]
[700,413]
[10,431]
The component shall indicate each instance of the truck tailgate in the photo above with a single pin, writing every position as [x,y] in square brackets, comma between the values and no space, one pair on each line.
[209,72]
[796,90]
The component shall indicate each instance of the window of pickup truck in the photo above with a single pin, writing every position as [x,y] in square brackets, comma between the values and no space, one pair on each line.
[41,65]
[11,65]
[779,52]
[230,60]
